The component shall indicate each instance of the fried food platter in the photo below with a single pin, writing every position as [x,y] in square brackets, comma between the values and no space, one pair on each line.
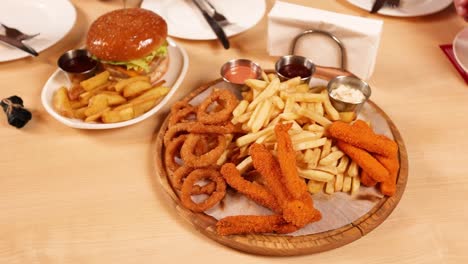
[345,218]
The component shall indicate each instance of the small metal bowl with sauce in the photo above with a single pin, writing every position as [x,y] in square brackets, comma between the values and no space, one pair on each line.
[236,71]
[77,64]
[348,94]
[291,66]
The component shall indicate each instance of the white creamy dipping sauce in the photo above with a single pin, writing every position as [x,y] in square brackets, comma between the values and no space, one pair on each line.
[347,94]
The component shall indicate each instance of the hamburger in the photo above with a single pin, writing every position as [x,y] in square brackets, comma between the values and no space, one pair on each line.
[130,42]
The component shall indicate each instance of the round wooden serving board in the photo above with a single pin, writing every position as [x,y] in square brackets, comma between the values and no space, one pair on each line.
[288,245]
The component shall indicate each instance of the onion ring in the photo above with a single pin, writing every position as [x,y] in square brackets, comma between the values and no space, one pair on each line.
[181,173]
[215,197]
[196,127]
[181,114]
[223,97]
[171,152]
[209,158]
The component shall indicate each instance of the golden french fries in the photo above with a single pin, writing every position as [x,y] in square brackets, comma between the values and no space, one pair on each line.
[355,185]
[347,183]
[315,186]
[102,99]
[319,161]
[316,175]
[339,182]
[330,187]
[347,117]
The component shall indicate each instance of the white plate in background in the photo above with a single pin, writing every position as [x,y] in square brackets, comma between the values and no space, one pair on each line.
[178,64]
[53,19]
[460,48]
[186,21]
[407,8]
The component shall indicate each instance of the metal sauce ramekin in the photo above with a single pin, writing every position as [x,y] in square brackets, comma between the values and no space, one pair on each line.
[354,83]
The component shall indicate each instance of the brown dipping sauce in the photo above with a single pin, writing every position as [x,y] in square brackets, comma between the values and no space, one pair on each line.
[294,70]
[79,64]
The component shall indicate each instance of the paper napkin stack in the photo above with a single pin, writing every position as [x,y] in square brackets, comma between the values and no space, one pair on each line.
[360,36]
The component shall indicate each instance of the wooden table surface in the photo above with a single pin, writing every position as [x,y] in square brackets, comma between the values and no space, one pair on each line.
[76,196]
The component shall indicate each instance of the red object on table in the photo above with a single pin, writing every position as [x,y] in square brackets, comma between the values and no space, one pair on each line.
[448,50]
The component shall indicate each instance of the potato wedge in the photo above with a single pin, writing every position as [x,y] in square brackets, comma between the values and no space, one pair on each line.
[75,91]
[110,117]
[95,81]
[143,107]
[155,93]
[96,104]
[114,98]
[80,113]
[126,114]
[97,115]
[77,104]
[136,88]
[120,85]
[61,103]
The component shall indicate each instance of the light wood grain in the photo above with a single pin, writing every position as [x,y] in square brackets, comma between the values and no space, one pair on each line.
[286,245]
[73,196]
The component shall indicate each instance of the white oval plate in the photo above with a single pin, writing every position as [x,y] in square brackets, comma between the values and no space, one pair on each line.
[186,21]
[53,19]
[178,64]
[407,8]
[460,48]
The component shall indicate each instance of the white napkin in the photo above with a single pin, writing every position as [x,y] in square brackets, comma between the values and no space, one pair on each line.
[360,36]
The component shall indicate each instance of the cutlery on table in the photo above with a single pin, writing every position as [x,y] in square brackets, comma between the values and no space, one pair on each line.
[15,38]
[16,34]
[378,4]
[217,29]
[220,18]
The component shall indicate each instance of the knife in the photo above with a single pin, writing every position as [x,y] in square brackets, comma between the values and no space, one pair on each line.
[214,26]
[18,44]
[378,4]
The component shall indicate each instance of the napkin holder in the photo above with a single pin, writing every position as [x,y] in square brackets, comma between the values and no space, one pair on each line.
[324,33]
[326,73]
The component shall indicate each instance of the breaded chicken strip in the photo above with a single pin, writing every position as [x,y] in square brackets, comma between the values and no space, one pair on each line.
[363,138]
[252,190]
[248,224]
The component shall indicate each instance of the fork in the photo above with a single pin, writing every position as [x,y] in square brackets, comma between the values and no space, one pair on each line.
[220,18]
[16,34]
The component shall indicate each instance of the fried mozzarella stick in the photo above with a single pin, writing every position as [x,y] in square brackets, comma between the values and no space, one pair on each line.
[252,190]
[248,224]
[363,138]
[365,160]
